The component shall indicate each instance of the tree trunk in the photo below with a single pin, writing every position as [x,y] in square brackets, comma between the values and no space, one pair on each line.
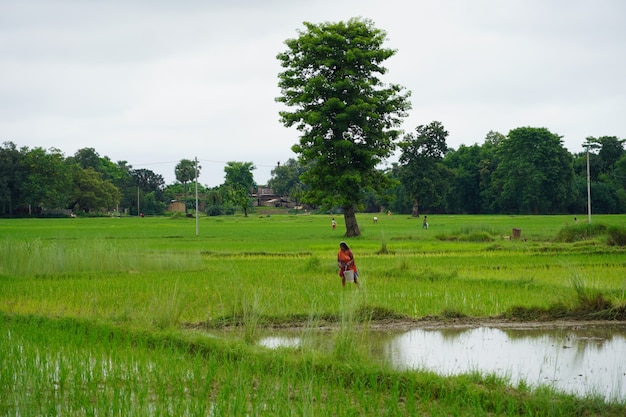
[352,227]
[416,208]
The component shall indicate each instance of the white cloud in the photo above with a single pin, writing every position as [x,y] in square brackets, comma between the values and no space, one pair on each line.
[153,82]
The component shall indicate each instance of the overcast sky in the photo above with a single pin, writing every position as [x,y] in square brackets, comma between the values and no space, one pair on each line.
[153,82]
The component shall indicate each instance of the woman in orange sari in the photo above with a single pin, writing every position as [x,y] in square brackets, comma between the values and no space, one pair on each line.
[345,260]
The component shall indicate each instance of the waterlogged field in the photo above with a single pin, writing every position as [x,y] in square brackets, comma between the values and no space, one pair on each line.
[101,316]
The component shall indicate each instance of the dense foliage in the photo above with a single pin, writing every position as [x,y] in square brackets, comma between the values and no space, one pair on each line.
[528,171]
[347,117]
[525,172]
[45,182]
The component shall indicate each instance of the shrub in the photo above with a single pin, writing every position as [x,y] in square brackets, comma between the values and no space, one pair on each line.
[214,211]
[219,210]
[383,249]
[617,236]
[583,231]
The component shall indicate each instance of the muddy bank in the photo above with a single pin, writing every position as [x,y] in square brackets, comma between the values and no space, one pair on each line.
[406,324]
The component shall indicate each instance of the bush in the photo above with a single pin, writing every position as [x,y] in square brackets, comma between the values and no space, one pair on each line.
[617,236]
[214,211]
[583,231]
[219,210]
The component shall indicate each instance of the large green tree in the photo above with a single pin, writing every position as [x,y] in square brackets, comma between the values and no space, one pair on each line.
[347,116]
[400,201]
[473,166]
[423,173]
[610,150]
[286,180]
[91,192]
[607,182]
[149,190]
[89,158]
[535,173]
[48,180]
[464,193]
[12,174]
[487,166]
[116,173]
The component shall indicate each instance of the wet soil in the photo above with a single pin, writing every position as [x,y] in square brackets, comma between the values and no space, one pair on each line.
[461,323]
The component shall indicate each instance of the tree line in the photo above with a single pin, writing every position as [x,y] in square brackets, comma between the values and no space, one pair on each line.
[34,181]
[528,171]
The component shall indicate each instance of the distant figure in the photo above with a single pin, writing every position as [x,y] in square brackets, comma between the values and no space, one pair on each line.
[425,223]
[375,219]
[333,223]
[575,220]
[388,213]
[347,267]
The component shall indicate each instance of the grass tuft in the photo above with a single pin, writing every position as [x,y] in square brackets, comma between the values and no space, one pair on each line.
[477,237]
[367,313]
[383,249]
[589,304]
[616,236]
[580,231]
[451,313]
[167,314]
[589,300]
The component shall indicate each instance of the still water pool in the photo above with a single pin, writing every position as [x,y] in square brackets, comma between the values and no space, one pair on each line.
[581,360]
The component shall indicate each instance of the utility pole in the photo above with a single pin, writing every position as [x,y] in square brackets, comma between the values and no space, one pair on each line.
[588,189]
[197,231]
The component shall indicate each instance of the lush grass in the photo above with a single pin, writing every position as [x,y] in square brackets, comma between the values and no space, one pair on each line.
[72,367]
[132,269]
[96,310]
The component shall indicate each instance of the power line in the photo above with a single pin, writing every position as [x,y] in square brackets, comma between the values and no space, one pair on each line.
[200,160]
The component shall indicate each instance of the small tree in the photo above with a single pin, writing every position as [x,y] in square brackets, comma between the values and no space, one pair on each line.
[239,197]
[347,117]
[239,182]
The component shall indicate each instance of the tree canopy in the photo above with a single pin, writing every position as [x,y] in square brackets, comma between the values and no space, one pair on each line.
[348,118]
[286,178]
[239,183]
[535,174]
[423,173]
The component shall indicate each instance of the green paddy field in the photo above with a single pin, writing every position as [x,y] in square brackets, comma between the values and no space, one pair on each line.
[105,316]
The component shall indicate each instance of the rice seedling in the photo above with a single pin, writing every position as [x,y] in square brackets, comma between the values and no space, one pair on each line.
[95,314]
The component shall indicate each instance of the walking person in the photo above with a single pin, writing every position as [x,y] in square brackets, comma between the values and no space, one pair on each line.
[333,223]
[347,267]
[425,223]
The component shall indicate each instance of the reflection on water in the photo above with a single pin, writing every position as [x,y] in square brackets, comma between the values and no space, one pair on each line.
[579,361]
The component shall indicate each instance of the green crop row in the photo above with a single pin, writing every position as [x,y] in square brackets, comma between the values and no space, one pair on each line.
[97,315]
